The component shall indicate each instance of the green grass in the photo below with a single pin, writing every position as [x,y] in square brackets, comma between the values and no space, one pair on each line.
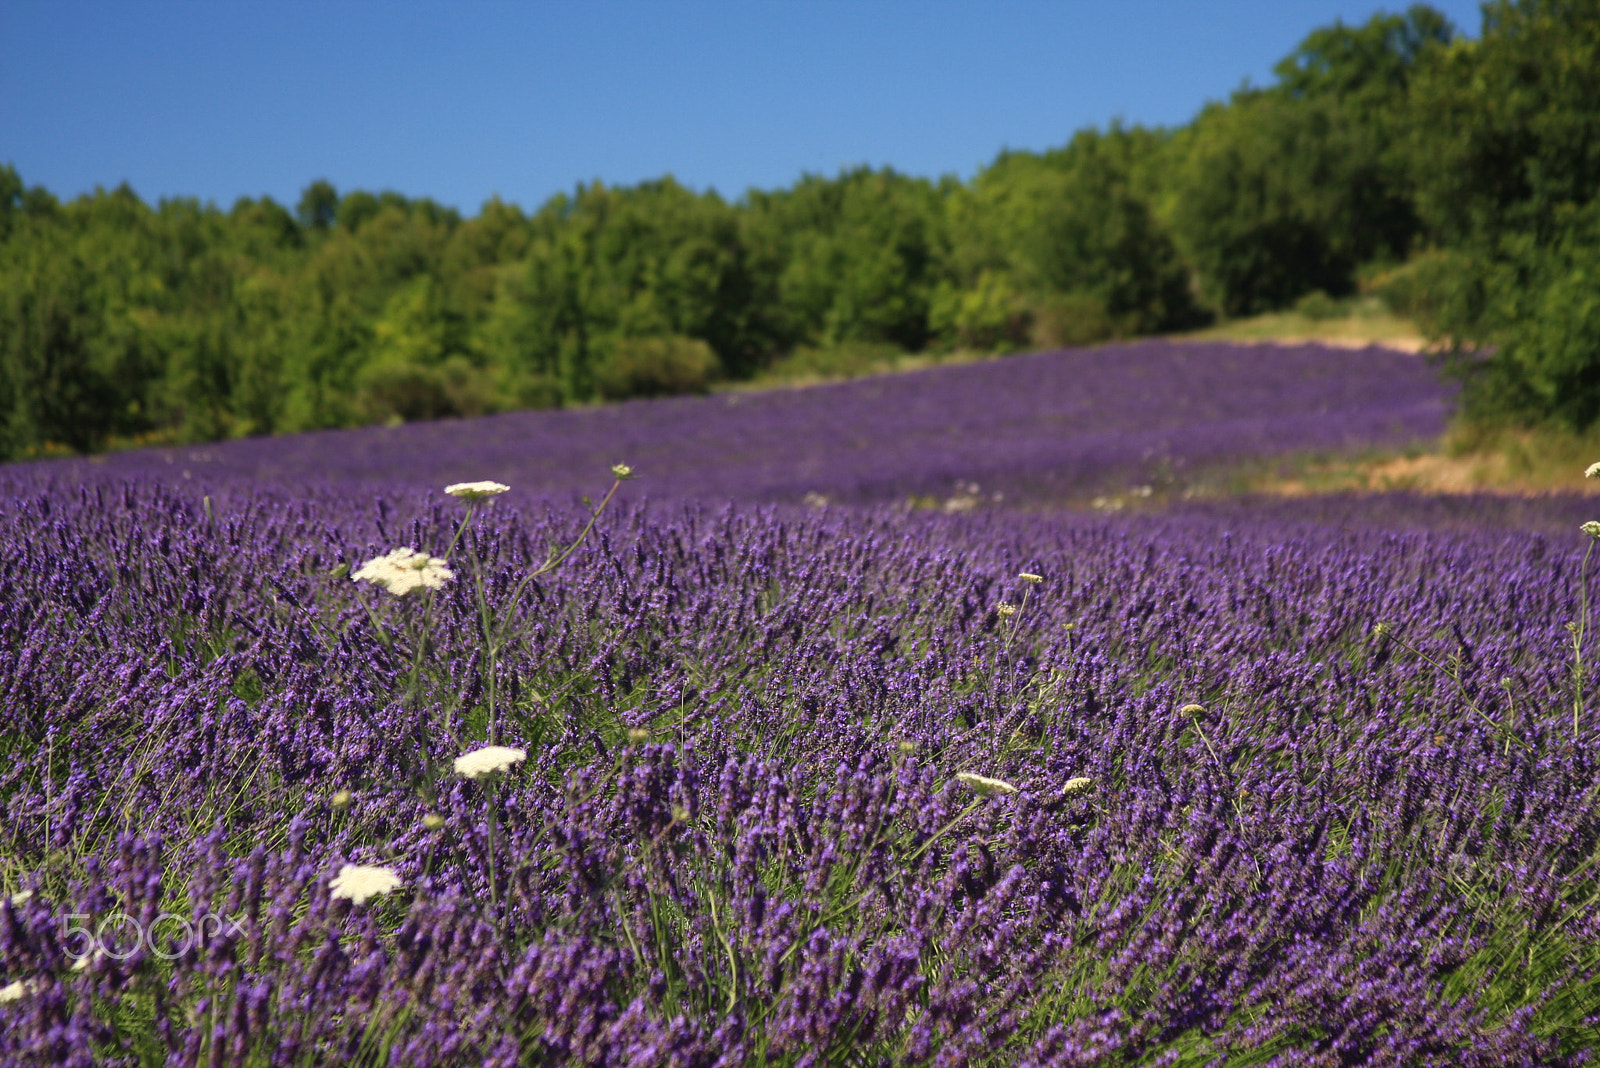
[1351,321]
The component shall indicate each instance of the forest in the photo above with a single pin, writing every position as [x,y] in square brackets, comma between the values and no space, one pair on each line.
[1456,178]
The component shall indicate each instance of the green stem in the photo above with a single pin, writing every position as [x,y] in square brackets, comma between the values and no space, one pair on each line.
[1455,677]
[493,889]
[491,647]
[554,561]
[1578,672]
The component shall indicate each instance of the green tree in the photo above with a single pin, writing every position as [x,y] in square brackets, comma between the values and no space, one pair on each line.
[1289,189]
[1506,149]
[848,259]
[1070,236]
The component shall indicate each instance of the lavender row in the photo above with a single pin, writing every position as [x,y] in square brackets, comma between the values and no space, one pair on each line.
[1046,428]
[1236,825]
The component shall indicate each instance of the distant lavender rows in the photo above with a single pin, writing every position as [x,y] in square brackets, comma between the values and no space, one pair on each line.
[1045,428]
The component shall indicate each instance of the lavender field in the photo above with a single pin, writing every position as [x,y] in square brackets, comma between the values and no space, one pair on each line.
[752,780]
[1041,429]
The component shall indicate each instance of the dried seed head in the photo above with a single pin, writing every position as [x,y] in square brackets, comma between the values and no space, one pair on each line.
[984,785]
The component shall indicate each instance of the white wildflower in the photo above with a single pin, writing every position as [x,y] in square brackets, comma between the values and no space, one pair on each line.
[622,471]
[405,570]
[488,760]
[985,785]
[476,491]
[361,881]
[1191,710]
[83,963]
[1029,576]
[1006,609]
[1076,783]
[21,897]
[1593,471]
[1591,528]
[16,991]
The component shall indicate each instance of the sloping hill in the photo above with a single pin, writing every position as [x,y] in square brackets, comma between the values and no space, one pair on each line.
[1048,428]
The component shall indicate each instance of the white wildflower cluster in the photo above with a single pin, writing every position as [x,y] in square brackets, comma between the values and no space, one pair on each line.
[357,882]
[984,785]
[17,991]
[1005,609]
[488,760]
[476,491]
[1076,784]
[1030,577]
[622,471]
[405,570]
[1591,528]
[1592,471]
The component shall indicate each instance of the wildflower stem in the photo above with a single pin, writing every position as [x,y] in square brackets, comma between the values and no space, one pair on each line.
[554,560]
[1455,677]
[493,887]
[491,646]
[1578,633]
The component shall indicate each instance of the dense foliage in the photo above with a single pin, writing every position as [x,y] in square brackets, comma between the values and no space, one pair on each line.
[1244,828]
[1456,177]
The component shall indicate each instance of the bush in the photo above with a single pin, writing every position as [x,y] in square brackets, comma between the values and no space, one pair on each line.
[1317,306]
[1423,288]
[991,317]
[848,359]
[656,366]
[1063,320]
[411,391]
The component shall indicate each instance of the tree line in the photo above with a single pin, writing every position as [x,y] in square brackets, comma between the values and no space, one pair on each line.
[1456,177]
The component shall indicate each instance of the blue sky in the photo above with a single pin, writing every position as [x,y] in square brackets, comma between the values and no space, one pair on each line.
[463,100]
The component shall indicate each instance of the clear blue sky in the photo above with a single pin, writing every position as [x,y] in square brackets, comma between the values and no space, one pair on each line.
[458,101]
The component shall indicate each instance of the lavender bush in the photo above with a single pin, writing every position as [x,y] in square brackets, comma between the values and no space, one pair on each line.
[765,784]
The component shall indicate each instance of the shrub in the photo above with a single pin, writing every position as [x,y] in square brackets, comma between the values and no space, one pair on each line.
[1063,320]
[656,366]
[410,391]
[991,316]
